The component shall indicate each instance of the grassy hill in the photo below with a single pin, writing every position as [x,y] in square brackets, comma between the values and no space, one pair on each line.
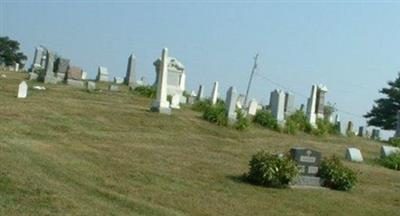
[65,151]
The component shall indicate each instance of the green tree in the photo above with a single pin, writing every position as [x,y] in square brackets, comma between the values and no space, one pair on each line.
[383,113]
[9,52]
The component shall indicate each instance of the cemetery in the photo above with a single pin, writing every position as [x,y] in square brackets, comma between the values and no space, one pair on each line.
[105,130]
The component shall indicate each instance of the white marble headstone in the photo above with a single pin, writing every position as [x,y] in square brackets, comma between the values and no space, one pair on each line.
[354,154]
[22,90]
[388,150]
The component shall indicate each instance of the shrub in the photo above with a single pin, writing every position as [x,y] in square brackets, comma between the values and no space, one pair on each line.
[146,91]
[216,114]
[336,175]
[392,161]
[242,122]
[201,106]
[297,122]
[265,119]
[394,141]
[271,170]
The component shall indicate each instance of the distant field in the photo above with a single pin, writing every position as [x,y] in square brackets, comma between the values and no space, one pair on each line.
[65,151]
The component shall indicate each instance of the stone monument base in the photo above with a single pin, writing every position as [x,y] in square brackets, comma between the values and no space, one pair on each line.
[307,181]
[156,107]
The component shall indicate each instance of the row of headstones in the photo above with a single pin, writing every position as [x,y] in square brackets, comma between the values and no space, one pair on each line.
[308,162]
[363,132]
[58,69]
[90,86]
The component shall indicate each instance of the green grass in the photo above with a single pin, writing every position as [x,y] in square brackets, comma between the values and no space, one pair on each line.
[65,151]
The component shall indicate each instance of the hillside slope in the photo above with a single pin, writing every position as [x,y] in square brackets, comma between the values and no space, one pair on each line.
[67,151]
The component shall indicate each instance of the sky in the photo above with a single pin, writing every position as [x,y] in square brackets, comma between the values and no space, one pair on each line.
[352,47]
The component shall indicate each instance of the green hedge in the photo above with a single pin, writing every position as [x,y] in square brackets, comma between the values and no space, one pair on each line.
[271,170]
[336,175]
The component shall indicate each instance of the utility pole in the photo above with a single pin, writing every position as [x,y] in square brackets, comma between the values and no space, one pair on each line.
[251,79]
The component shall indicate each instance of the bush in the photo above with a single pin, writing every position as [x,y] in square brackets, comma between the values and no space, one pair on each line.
[394,141]
[271,170]
[392,161]
[336,175]
[265,119]
[216,114]
[146,91]
[298,122]
[242,122]
[201,106]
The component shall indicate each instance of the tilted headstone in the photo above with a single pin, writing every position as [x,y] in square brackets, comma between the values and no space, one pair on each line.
[308,162]
[214,93]
[50,77]
[253,107]
[91,86]
[354,154]
[200,93]
[230,104]
[175,102]
[388,150]
[277,104]
[102,74]
[22,90]
[130,76]
[161,103]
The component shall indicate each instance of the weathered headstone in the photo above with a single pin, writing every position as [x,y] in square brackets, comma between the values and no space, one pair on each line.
[277,104]
[130,76]
[200,93]
[388,150]
[354,154]
[175,102]
[214,93]
[361,131]
[230,103]
[161,103]
[308,162]
[61,68]
[22,90]
[321,91]
[113,88]
[176,75]
[50,77]
[102,74]
[37,59]
[118,80]
[375,134]
[289,104]
[76,83]
[311,104]
[91,86]
[84,75]
[349,129]
[74,73]
[240,101]
[252,107]
[16,67]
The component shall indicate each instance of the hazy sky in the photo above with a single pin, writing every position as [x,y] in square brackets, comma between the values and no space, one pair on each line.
[353,48]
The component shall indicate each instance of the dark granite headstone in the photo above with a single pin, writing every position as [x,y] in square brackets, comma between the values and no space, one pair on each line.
[308,162]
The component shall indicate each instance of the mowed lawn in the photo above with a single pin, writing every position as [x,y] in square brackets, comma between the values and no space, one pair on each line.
[65,151]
